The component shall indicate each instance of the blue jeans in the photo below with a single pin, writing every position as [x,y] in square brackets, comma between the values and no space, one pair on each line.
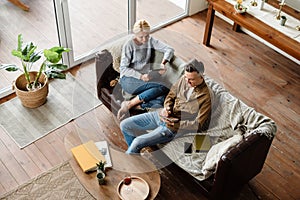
[135,132]
[151,93]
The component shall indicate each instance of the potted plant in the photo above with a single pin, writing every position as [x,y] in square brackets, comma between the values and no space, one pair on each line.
[32,86]
[101,165]
[101,172]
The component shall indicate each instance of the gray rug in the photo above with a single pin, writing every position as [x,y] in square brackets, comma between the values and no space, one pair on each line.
[67,100]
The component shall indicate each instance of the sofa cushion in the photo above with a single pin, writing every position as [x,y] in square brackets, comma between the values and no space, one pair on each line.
[115,48]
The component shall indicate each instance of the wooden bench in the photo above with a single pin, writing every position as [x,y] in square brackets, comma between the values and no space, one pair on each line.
[259,28]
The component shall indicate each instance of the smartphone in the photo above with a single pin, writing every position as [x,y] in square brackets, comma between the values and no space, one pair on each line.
[171,119]
[187,148]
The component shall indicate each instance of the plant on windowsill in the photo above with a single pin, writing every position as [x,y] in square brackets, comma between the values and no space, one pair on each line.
[32,86]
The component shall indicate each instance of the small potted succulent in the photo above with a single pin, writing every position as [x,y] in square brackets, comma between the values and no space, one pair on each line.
[101,172]
[32,85]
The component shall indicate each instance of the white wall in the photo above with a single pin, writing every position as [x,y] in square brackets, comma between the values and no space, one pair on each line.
[197,6]
[294,4]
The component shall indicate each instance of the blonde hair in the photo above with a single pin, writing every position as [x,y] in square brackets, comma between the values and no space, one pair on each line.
[141,25]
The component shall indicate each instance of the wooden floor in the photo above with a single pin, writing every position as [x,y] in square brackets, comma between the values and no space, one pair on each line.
[251,71]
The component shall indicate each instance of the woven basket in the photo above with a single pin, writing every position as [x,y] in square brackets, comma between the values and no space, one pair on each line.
[31,99]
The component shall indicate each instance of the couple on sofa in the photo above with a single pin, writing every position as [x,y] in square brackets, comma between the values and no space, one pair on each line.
[186,106]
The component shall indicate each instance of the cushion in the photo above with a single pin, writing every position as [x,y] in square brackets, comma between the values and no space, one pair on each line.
[115,48]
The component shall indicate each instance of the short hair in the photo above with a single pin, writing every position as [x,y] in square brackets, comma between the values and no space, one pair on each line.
[194,66]
[141,25]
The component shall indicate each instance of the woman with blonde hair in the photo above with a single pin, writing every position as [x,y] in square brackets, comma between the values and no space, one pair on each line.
[136,75]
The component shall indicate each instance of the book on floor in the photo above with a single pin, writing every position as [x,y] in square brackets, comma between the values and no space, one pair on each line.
[87,155]
[201,143]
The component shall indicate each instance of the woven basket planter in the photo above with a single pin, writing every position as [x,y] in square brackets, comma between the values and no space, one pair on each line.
[31,99]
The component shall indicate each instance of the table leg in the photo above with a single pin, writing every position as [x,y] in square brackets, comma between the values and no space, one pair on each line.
[20,4]
[209,25]
[236,27]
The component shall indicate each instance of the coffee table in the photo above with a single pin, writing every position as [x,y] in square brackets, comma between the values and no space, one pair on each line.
[123,164]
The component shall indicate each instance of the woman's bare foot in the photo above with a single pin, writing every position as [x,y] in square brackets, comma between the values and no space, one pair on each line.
[123,110]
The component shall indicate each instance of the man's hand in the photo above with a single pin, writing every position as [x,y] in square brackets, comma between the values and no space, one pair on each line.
[165,117]
[165,112]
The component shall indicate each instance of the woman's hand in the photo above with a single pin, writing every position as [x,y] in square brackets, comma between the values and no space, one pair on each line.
[145,77]
[163,69]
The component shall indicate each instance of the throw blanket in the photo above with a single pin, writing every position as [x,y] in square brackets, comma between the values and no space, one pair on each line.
[230,117]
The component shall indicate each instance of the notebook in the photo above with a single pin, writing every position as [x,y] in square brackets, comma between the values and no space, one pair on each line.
[87,155]
[103,146]
[201,143]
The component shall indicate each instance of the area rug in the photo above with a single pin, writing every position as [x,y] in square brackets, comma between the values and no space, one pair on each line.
[67,100]
[58,183]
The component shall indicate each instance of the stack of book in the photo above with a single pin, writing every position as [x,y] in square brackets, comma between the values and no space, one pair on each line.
[90,153]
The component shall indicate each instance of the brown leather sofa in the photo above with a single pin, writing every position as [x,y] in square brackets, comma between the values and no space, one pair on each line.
[235,167]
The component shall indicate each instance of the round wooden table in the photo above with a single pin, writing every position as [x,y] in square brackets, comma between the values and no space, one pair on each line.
[123,164]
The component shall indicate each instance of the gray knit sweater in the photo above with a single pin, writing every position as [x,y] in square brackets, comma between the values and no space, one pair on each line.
[135,59]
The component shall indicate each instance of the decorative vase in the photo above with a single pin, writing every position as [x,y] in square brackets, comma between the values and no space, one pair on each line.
[262,3]
[35,98]
[100,177]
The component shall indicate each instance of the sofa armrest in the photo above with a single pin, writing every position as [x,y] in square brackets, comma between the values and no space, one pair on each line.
[239,165]
[109,95]
[103,61]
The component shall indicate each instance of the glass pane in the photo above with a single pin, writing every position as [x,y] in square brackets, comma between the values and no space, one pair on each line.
[37,25]
[160,11]
[95,22]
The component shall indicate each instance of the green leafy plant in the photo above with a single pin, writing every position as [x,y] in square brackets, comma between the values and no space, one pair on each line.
[101,165]
[28,55]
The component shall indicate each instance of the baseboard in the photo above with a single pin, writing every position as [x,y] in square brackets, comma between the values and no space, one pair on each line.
[4,92]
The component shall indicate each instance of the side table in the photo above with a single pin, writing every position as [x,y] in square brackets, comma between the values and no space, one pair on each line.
[122,164]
